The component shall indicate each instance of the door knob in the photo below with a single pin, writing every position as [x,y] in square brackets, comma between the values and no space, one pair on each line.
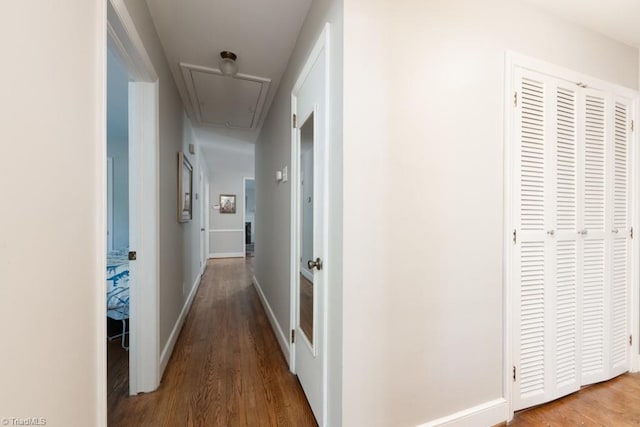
[583,232]
[615,231]
[317,264]
[551,233]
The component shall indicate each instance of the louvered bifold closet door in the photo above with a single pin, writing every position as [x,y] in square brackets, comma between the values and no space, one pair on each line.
[531,257]
[620,253]
[546,246]
[565,374]
[594,301]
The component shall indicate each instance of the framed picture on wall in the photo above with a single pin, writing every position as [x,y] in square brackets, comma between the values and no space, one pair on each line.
[185,189]
[227,203]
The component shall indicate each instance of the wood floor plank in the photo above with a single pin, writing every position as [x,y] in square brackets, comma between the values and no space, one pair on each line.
[614,403]
[226,370]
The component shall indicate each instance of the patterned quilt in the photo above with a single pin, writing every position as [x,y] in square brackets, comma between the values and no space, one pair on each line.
[118,284]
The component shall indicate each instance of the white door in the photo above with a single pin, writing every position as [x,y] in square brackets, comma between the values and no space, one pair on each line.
[546,325]
[203,217]
[595,307]
[310,148]
[571,237]
[621,238]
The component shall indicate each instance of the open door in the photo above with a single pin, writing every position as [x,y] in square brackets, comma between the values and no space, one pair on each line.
[309,228]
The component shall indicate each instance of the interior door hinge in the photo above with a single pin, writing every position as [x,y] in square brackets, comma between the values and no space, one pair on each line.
[631,233]
[514,374]
[630,339]
[293,335]
[515,98]
[514,236]
[633,125]
[295,120]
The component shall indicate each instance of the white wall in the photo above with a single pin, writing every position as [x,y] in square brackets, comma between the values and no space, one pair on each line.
[427,280]
[178,242]
[118,146]
[192,249]
[273,200]
[228,165]
[52,223]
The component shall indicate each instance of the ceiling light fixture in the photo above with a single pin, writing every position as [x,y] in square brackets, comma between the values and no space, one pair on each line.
[228,64]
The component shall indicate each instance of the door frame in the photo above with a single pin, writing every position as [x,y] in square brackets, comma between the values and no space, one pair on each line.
[109,203]
[144,342]
[203,218]
[244,209]
[322,45]
[515,60]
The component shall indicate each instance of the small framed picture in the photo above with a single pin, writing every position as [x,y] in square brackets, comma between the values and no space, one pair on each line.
[185,188]
[227,203]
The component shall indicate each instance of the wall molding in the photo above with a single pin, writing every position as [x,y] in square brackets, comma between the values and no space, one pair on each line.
[226,255]
[307,274]
[226,230]
[486,414]
[282,337]
[167,351]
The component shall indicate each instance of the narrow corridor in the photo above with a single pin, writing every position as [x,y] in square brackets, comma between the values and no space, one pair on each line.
[226,370]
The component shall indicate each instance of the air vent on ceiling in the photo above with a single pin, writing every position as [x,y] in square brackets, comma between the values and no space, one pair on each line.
[234,102]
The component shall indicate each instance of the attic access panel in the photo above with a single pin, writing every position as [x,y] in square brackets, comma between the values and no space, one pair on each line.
[233,102]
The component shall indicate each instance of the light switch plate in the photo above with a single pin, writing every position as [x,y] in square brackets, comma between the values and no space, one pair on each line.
[285,174]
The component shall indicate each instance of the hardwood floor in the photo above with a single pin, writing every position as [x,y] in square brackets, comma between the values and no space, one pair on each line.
[614,403]
[306,307]
[227,368]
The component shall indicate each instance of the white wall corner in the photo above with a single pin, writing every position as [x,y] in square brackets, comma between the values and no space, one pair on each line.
[167,351]
[226,255]
[282,337]
[486,414]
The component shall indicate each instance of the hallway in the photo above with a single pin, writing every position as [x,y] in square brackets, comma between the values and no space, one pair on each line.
[227,368]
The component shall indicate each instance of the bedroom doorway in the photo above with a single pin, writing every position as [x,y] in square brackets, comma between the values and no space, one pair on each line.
[118,279]
[137,261]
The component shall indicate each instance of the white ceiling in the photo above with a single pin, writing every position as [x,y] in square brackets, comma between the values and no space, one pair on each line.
[617,19]
[261,32]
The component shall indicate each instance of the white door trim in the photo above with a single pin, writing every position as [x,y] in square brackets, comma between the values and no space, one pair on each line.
[100,200]
[322,44]
[109,203]
[513,60]
[144,353]
[203,216]
[244,211]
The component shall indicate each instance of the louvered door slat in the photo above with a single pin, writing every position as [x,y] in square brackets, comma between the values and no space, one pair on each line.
[532,319]
[594,163]
[532,156]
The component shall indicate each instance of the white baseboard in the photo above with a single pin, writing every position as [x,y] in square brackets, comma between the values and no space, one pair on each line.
[227,255]
[307,274]
[282,338]
[486,414]
[167,351]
